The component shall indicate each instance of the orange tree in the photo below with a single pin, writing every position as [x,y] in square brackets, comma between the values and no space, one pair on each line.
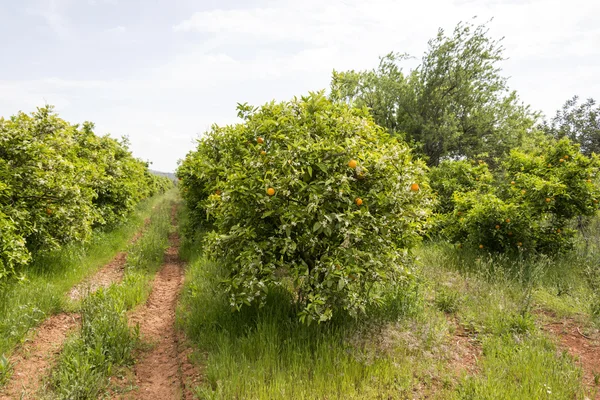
[311,196]
[529,202]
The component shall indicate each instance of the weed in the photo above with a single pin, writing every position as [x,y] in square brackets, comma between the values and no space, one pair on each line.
[6,369]
[447,301]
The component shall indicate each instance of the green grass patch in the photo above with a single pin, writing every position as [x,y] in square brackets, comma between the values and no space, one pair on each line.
[523,368]
[105,341]
[498,296]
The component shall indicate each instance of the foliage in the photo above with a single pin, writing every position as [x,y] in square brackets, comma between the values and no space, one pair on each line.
[58,181]
[457,176]
[454,104]
[578,122]
[345,204]
[526,205]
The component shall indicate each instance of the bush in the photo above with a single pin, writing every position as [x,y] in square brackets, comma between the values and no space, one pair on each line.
[527,204]
[308,195]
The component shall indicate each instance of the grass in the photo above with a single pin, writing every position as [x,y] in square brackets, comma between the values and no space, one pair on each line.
[105,341]
[266,353]
[26,302]
[464,303]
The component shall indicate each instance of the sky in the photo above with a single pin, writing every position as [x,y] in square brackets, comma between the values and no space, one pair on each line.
[162,72]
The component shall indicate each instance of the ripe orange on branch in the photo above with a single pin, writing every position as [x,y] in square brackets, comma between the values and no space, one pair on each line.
[270,191]
[352,164]
[358,201]
[414,187]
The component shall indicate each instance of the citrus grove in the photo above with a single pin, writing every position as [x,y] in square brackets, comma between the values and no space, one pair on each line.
[58,181]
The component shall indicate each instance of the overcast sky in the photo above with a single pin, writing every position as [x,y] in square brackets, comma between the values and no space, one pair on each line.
[161,72]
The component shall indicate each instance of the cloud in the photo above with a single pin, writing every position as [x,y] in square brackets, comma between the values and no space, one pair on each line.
[116,30]
[53,14]
[203,63]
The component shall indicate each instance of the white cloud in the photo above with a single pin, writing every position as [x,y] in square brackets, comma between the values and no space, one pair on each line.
[117,30]
[52,12]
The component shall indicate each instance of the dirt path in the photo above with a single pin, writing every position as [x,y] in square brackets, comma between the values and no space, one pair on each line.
[33,360]
[161,372]
[109,274]
[583,347]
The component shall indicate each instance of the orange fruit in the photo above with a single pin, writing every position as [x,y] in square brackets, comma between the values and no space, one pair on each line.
[414,187]
[512,182]
[270,191]
[549,165]
[481,246]
[497,226]
[589,181]
[48,211]
[507,220]
[519,244]
[566,157]
[558,230]
[523,191]
[561,160]
[352,164]
[358,201]
[548,199]
[263,153]
[260,140]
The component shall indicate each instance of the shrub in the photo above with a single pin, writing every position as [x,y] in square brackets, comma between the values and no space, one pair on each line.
[308,195]
[527,204]
[457,176]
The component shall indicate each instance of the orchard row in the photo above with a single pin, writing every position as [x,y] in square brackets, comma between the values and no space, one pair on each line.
[59,181]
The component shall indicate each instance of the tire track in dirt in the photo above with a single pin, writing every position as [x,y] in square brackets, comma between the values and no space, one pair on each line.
[32,360]
[162,372]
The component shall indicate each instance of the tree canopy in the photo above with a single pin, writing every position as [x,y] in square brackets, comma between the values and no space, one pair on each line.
[454,104]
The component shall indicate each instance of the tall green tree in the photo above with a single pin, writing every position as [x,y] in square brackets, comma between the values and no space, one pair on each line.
[454,104]
[580,122]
